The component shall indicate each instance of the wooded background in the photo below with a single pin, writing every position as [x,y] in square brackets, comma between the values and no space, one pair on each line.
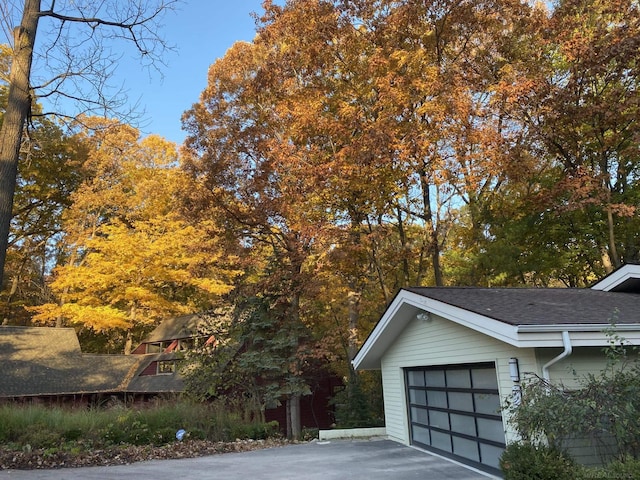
[353,148]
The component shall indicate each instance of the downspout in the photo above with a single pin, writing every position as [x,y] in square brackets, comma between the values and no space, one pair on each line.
[566,341]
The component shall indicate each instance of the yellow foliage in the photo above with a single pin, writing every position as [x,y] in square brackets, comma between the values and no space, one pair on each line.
[133,259]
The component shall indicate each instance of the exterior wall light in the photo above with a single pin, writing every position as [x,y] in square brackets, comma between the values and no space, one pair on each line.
[514,369]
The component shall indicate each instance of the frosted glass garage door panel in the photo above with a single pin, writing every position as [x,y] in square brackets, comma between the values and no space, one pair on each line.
[461,401]
[466,448]
[415,378]
[420,415]
[439,420]
[418,397]
[490,429]
[458,379]
[490,455]
[441,441]
[484,378]
[421,434]
[488,403]
[437,399]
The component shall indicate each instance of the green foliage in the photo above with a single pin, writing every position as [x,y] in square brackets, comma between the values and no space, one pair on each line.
[356,406]
[256,366]
[524,461]
[256,431]
[604,409]
[36,427]
[626,469]
[605,406]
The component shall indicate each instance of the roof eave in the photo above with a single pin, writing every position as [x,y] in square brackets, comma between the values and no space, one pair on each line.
[407,304]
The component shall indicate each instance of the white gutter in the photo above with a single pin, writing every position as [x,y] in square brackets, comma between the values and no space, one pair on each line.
[577,327]
[566,341]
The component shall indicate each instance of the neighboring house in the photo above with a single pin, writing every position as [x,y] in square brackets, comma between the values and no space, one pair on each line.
[449,355]
[162,349]
[47,363]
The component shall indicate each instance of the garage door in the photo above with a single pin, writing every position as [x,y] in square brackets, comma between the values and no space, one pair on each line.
[455,411]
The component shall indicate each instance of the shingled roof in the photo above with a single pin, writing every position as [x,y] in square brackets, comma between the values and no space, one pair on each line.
[175,328]
[40,361]
[522,317]
[541,306]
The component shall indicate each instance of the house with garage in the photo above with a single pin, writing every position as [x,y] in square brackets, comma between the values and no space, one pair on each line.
[449,356]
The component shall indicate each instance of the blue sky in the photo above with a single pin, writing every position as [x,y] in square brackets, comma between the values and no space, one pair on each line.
[201,31]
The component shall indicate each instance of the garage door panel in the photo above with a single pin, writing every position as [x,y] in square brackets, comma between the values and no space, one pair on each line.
[435,378]
[466,448]
[421,435]
[437,398]
[490,455]
[463,424]
[455,410]
[487,403]
[420,415]
[458,379]
[439,420]
[441,441]
[490,430]
[418,397]
[462,401]
[485,378]
[416,378]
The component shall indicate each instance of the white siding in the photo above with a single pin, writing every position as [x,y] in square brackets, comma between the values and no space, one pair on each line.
[571,370]
[441,342]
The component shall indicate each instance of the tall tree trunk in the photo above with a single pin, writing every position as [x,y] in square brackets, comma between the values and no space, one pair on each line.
[295,416]
[613,250]
[431,229]
[17,111]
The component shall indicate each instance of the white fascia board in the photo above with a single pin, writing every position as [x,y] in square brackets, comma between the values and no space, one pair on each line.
[480,323]
[618,277]
[397,316]
[376,340]
[582,335]
[579,327]
[406,304]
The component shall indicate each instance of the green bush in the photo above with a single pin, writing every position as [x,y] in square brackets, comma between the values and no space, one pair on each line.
[356,406]
[604,408]
[524,461]
[35,427]
[629,469]
[39,436]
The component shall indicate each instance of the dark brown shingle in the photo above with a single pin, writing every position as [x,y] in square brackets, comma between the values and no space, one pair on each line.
[540,306]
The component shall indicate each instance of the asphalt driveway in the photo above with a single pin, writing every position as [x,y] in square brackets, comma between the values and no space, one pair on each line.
[324,460]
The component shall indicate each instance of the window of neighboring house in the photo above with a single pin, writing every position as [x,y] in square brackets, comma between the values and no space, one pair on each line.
[154,347]
[166,367]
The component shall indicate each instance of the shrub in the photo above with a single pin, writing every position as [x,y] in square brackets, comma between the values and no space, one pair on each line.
[34,427]
[627,469]
[524,461]
[356,406]
[604,408]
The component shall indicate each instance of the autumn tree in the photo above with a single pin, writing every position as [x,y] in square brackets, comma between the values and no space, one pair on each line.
[592,118]
[73,66]
[131,259]
[569,88]
[50,172]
